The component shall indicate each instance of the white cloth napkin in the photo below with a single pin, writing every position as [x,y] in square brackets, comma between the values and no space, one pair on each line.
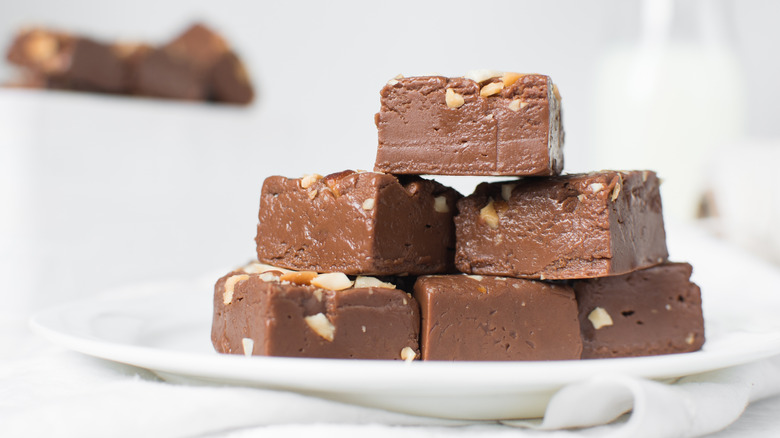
[53,392]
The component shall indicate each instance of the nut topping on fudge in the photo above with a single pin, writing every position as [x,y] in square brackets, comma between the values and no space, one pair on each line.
[269,311]
[487,123]
[357,223]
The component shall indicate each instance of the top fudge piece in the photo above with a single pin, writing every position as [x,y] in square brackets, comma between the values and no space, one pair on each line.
[566,227]
[357,223]
[491,123]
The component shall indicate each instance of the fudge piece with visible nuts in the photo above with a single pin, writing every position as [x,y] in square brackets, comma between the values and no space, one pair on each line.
[267,311]
[643,313]
[357,223]
[471,317]
[491,123]
[70,62]
[566,227]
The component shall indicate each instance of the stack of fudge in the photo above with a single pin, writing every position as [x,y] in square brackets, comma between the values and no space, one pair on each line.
[196,65]
[388,265]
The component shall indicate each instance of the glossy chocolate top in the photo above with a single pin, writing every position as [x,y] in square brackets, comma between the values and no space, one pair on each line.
[567,227]
[357,223]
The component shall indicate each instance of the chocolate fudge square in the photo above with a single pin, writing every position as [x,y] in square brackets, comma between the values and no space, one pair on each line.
[357,223]
[467,317]
[70,62]
[648,312]
[491,124]
[196,65]
[566,227]
[268,311]
[182,68]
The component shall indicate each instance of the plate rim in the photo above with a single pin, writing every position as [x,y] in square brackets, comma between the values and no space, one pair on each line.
[502,377]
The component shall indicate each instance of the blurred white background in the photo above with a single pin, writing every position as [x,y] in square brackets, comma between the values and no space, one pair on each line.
[100,191]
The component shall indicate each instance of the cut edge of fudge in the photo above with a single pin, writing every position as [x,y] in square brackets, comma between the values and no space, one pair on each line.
[358,223]
[565,227]
[649,312]
[485,123]
[478,318]
[270,311]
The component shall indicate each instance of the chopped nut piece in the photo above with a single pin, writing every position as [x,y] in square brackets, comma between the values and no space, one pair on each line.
[299,277]
[249,346]
[599,318]
[310,179]
[475,277]
[313,194]
[368,204]
[510,78]
[644,175]
[332,281]
[483,75]
[40,46]
[491,89]
[362,327]
[668,307]
[482,289]
[318,294]
[506,191]
[407,354]
[362,281]
[322,326]
[230,284]
[581,197]
[453,99]
[489,215]
[259,268]
[556,92]
[398,76]
[440,204]
[392,82]
[690,338]
[596,187]
[514,105]
[616,191]
[270,276]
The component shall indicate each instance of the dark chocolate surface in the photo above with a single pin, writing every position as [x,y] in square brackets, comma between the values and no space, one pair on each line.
[366,323]
[491,318]
[567,227]
[420,134]
[357,223]
[652,311]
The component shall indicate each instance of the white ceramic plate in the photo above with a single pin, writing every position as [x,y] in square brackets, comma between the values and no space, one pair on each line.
[166,328]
